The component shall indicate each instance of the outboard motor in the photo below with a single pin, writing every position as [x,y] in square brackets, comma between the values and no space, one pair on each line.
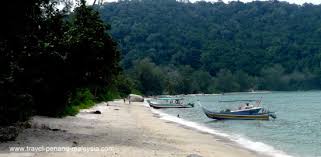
[273,115]
[191,104]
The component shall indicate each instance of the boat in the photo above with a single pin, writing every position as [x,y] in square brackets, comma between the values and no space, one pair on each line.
[169,102]
[240,100]
[250,113]
[247,110]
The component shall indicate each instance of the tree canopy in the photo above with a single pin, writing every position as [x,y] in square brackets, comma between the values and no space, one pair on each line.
[265,45]
[47,55]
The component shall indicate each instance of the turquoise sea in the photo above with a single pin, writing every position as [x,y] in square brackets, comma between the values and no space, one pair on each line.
[296,131]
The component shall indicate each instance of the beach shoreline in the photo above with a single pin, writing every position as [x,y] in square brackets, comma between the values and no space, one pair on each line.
[126,129]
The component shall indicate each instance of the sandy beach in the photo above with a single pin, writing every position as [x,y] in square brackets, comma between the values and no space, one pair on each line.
[123,130]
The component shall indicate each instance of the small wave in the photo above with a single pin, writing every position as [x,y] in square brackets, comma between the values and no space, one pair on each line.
[244,142]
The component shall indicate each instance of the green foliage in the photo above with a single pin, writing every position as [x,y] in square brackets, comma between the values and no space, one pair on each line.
[108,94]
[242,42]
[136,91]
[151,81]
[83,99]
[69,110]
[202,81]
[273,78]
[46,54]
[245,81]
[124,85]
[80,99]
[226,82]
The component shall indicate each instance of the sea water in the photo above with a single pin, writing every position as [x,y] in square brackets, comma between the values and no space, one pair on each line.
[295,132]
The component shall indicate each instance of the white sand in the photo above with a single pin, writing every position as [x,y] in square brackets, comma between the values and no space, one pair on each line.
[125,130]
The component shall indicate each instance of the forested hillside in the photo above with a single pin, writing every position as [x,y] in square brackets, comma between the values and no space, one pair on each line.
[175,47]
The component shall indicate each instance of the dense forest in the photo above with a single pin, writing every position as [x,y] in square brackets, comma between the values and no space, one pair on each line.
[54,61]
[173,47]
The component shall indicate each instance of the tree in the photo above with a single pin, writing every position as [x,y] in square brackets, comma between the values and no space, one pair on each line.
[94,55]
[203,82]
[226,82]
[273,78]
[150,78]
[245,81]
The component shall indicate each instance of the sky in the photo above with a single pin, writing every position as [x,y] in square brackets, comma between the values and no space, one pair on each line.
[290,1]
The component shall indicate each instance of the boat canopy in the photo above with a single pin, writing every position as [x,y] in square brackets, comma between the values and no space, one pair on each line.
[246,100]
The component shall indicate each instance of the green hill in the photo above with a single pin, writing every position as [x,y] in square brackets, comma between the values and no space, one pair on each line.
[175,47]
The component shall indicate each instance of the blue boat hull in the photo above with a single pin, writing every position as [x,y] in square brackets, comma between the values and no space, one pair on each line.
[236,115]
